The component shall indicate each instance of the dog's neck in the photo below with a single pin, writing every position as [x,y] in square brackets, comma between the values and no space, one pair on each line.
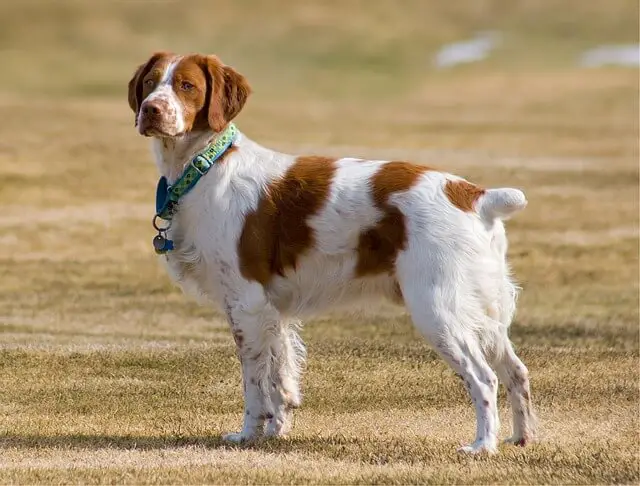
[173,154]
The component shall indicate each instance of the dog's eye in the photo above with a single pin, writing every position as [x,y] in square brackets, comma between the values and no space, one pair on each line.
[149,82]
[186,86]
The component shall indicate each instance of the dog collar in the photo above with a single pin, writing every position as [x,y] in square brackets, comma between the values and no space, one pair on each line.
[167,197]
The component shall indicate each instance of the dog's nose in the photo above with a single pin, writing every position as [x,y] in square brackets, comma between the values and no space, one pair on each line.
[151,108]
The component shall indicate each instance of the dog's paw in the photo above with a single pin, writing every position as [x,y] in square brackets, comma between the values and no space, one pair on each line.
[479,447]
[278,426]
[236,438]
[518,441]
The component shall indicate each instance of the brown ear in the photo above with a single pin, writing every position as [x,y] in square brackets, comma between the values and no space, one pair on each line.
[229,92]
[135,84]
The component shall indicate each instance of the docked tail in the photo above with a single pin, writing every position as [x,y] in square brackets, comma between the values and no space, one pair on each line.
[500,203]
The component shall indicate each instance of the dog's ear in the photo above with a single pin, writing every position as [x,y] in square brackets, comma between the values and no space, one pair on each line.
[227,92]
[135,84]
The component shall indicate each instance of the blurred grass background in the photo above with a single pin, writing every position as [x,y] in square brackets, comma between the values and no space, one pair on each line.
[322,48]
[350,63]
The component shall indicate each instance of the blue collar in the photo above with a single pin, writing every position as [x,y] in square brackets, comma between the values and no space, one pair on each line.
[167,197]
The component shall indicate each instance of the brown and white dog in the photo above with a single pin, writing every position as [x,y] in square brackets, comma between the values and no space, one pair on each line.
[270,238]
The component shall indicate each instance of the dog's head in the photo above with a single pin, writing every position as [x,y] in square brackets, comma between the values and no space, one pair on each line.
[173,95]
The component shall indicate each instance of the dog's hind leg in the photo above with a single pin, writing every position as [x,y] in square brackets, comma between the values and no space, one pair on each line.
[515,377]
[464,355]
[447,322]
[509,368]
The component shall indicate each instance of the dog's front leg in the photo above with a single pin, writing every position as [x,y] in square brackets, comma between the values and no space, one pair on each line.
[254,416]
[254,323]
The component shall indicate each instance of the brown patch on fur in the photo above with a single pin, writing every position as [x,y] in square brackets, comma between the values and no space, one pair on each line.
[190,73]
[463,194]
[219,92]
[226,92]
[379,245]
[277,232]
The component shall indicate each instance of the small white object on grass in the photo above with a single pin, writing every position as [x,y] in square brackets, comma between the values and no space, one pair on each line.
[612,55]
[471,50]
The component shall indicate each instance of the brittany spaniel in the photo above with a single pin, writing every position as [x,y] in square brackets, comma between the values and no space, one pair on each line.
[270,238]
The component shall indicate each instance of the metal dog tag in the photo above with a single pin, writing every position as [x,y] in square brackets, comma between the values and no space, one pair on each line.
[159,243]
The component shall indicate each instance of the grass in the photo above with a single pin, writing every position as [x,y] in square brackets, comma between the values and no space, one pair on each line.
[110,375]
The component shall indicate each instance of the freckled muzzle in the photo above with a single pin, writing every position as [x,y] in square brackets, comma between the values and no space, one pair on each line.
[159,116]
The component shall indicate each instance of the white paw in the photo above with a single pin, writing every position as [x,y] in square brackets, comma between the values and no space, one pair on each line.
[237,438]
[273,433]
[278,428]
[517,441]
[479,447]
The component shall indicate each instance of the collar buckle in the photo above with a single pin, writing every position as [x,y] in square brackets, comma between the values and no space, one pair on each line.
[192,164]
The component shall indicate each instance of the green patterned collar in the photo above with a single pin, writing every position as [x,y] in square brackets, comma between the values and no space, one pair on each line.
[167,197]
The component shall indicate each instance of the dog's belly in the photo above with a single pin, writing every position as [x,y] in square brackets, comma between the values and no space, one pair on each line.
[326,282]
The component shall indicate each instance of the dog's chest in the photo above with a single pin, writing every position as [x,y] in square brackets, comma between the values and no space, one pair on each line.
[184,266]
[198,258]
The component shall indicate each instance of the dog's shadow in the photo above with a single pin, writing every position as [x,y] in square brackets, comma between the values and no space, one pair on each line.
[426,451]
[132,442]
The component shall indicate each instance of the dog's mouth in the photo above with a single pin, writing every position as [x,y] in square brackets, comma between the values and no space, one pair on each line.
[153,130]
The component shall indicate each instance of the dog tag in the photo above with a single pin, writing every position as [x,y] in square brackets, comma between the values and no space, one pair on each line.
[161,244]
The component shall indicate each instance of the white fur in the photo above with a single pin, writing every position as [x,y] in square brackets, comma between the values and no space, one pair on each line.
[453,276]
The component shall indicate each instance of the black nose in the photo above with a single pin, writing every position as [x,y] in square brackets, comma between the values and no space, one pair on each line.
[151,109]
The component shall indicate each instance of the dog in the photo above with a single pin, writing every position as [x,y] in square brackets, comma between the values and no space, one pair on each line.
[270,238]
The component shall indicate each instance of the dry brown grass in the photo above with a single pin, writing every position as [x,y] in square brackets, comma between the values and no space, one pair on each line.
[111,376]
